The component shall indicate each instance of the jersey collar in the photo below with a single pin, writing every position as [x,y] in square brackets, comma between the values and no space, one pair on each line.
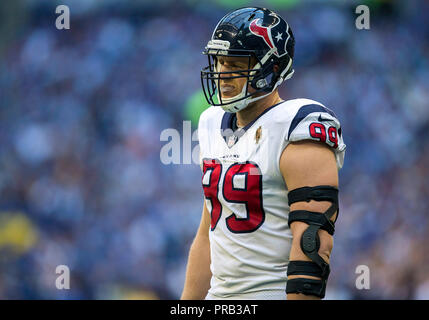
[231,134]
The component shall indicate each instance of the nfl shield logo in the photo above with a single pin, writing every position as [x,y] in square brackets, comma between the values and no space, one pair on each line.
[231,140]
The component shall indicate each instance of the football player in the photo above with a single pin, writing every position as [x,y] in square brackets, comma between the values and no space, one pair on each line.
[270,170]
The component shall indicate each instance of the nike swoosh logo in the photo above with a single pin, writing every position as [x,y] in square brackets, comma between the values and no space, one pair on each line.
[323,119]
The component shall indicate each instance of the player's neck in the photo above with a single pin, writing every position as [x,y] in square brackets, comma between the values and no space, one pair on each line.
[252,111]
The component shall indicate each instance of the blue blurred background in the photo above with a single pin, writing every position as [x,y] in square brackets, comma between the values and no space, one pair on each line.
[82,111]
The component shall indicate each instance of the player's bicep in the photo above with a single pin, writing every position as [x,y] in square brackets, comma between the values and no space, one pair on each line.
[307,163]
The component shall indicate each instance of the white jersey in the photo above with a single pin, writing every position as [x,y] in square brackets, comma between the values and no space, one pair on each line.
[247,197]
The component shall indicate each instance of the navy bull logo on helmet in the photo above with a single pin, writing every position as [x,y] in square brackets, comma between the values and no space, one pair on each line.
[266,33]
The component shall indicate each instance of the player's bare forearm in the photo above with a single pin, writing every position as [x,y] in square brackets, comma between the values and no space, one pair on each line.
[198,274]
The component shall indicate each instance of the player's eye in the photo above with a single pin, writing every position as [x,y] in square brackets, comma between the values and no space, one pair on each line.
[235,67]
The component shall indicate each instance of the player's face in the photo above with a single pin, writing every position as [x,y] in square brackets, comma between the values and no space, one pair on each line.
[232,87]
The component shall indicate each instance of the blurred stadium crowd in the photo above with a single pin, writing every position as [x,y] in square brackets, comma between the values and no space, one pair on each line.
[82,110]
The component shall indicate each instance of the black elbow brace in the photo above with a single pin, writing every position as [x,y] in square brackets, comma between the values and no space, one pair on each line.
[310,242]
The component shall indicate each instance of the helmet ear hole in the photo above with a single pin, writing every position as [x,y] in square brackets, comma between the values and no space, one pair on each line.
[276,68]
